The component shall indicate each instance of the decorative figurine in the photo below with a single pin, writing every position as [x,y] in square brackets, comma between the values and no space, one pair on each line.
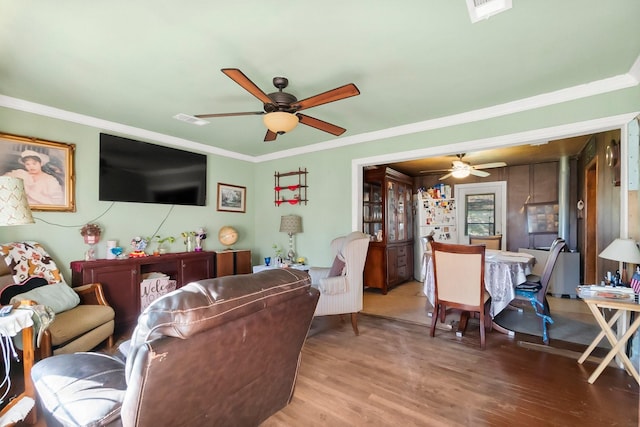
[138,244]
[201,234]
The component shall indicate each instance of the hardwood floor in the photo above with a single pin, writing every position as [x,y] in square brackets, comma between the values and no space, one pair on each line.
[395,374]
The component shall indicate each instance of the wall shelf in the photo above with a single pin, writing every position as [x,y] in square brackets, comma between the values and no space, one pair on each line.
[289,190]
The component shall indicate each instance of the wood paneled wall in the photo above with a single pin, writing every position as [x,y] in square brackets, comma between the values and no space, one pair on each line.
[538,182]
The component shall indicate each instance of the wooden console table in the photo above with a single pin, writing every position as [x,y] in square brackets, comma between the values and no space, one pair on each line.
[120,278]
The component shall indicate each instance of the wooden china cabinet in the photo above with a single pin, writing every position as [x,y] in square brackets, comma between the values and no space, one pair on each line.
[388,219]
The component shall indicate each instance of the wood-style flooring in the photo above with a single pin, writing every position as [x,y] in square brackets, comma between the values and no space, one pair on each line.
[395,374]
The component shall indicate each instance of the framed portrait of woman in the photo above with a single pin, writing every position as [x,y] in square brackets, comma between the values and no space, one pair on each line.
[46,167]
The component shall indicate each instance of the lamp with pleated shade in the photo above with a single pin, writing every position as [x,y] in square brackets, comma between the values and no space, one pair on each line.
[624,251]
[14,206]
[291,224]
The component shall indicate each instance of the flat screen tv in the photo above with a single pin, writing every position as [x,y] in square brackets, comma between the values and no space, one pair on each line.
[136,171]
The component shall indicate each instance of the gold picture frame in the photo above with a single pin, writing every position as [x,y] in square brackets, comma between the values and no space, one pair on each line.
[231,198]
[46,168]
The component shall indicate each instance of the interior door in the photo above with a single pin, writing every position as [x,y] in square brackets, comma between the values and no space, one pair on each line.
[499,189]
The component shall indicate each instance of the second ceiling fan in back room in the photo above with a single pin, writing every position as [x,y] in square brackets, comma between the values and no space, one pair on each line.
[460,169]
[281,109]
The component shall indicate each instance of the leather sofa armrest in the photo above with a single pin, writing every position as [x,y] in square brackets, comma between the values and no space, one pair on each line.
[91,294]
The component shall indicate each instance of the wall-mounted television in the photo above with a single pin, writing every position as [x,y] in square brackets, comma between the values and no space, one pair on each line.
[136,171]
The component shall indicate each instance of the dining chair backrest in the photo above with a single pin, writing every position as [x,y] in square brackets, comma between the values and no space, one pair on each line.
[458,271]
[456,286]
[555,242]
[557,247]
[491,242]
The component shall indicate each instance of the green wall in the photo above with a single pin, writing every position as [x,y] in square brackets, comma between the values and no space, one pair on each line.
[328,213]
[59,232]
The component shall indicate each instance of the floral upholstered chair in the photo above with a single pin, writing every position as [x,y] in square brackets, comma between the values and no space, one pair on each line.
[82,318]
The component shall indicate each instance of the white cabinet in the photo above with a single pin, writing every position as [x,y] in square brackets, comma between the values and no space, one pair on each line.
[566,273]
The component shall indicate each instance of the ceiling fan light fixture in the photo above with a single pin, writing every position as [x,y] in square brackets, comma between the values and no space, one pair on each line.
[460,173]
[280,122]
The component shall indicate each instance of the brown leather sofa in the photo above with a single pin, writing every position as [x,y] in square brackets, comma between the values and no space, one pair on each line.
[218,352]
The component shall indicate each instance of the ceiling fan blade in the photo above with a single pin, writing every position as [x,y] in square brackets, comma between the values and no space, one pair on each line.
[435,170]
[490,165]
[446,176]
[270,136]
[320,124]
[332,95]
[478,173]
[248,113]
[239,77]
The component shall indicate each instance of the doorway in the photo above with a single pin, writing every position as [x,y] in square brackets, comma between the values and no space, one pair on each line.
[591,222]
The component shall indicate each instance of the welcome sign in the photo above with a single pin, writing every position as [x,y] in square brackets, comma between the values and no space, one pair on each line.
[153,286]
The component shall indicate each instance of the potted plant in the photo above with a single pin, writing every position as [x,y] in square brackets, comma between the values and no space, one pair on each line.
[91,233]
[161,248]
[188,237]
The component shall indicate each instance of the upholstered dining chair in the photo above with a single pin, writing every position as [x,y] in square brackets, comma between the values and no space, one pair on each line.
[491,242]
[341,284]
[82,317]
[536,292]
[460,288]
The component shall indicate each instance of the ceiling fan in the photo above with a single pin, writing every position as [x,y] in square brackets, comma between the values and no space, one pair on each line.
[281,108]
[462,169]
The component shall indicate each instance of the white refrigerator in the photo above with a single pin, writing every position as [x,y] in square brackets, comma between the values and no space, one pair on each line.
[437,216]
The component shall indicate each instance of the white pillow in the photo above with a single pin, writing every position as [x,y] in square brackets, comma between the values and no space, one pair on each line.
[59,296]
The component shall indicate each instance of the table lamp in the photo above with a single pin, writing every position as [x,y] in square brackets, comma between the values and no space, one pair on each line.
[291,224]
[624,251]
[14,206]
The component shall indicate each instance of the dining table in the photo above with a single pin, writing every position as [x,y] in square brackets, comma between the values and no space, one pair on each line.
[503,271]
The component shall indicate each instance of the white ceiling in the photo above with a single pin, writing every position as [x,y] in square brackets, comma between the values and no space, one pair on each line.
[129,67]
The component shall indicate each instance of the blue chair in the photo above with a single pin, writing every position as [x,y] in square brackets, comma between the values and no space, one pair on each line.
[536,291]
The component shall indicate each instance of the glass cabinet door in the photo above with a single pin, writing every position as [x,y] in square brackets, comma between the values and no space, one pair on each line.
[372,208]
[401,212]
[392,211]
[409,212]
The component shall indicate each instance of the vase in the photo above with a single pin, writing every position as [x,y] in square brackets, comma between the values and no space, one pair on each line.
[189,242]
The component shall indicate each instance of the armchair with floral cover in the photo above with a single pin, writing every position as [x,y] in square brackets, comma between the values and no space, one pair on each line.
[341,284]
[82,317]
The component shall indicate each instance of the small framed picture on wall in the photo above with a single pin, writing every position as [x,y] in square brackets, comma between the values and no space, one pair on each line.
[231,198]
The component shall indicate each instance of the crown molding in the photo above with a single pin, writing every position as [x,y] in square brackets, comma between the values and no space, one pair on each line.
[69,116]
[598,87]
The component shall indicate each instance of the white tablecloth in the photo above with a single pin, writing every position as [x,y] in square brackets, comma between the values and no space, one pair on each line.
[503,271]
[15,322]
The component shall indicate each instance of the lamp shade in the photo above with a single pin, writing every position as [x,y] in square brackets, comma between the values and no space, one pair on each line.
[291,224]
[280,122]
[14,206]
[622,250]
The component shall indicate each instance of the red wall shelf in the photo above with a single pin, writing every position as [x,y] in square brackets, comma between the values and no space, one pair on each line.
[291,192]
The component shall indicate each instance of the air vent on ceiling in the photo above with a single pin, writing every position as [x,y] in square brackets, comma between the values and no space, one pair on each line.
[190,119]
[483,9]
